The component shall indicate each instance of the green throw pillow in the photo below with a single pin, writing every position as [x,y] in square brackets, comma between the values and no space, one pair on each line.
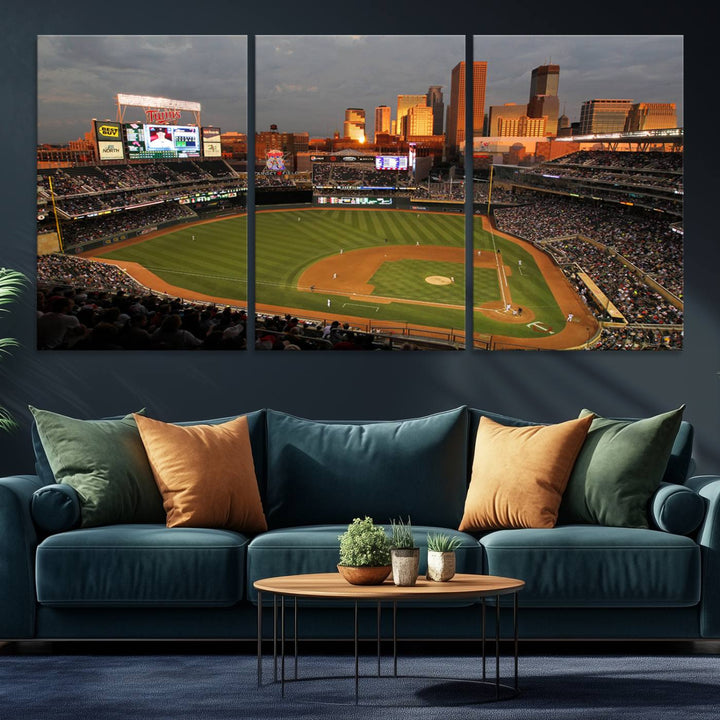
[106,463]
[620,466]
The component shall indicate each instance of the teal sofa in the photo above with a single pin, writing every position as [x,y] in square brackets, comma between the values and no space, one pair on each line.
[59,580]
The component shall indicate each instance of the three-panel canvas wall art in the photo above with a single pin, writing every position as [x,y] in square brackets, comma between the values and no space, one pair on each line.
[325,193]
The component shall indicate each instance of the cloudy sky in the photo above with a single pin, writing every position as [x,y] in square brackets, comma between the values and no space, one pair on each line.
[304,83]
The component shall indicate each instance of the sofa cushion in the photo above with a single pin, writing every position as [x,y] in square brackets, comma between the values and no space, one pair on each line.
[141,566]
[104,460]
[205,474]
[519,473]
[618,469]
[592,566]
[677,509]
[330,473]
[315,549]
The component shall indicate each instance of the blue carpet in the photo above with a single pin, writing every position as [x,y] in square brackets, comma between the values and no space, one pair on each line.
[224,687]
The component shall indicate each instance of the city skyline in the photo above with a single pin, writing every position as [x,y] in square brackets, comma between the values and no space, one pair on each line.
[305,83]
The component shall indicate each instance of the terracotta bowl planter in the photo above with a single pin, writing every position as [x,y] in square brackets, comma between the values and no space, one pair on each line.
[368,575]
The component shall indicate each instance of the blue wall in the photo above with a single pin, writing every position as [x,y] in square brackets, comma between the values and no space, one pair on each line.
[541,386]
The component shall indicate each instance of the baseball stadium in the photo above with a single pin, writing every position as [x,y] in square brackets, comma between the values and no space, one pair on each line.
[358,250]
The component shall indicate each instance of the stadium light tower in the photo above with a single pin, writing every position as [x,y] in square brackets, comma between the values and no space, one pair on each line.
[162,111]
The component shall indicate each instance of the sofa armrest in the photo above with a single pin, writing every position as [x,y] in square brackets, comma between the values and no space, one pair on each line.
[18,540]
[708,537]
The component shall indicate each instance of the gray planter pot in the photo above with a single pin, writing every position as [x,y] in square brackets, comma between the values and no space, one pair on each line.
[441,565]
[405,563]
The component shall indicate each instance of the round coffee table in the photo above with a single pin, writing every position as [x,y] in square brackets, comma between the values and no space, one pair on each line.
[324,586]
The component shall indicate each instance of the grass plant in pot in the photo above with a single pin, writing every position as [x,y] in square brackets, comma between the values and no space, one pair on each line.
[404,553]
[441,556]
[364,553]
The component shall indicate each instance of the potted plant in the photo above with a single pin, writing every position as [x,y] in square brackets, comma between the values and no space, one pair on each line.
[364,553]
[404,553]
[11,283]
[441,556]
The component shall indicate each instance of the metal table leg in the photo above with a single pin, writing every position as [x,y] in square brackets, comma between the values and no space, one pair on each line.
[395,637]
[497,646]
[357,665]
[275,667]
[378,635]
[295,636]
[259,640]
[515,633]
[282,646]
[484,654]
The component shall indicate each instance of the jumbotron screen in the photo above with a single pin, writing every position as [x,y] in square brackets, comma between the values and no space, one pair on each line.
[155,142]
[391,162]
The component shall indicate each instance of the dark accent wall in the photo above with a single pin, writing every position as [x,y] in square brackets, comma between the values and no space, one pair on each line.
[544,386]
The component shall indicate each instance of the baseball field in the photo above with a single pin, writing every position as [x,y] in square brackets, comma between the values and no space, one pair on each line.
[371,267]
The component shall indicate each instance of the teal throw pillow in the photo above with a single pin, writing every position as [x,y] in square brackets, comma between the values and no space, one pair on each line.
[321,473]
[620,466]
[105,462]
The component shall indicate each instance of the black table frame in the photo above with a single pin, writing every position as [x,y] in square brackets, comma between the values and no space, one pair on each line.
[510,691]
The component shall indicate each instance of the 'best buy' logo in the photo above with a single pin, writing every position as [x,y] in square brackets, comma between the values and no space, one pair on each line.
[108,131]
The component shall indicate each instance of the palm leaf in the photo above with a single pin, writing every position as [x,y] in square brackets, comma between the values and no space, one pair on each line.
[7,423]
[12,284]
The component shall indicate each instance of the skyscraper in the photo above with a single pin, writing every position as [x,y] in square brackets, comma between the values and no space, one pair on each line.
[603,116]
[435,101]
[382,120]
[419,121]
[455,127]
[404,103]
[651,116]
[354,125]
[544,83]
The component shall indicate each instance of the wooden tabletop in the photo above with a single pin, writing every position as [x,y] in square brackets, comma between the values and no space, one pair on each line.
[332,585]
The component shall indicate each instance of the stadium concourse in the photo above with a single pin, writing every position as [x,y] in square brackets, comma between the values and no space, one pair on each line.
[611,220]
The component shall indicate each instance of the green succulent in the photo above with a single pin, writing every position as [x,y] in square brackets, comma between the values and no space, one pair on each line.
[402,536]
[439,542]
[364,544]
[11,285]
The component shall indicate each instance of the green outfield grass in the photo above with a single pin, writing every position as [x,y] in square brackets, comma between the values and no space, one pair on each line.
[211,258]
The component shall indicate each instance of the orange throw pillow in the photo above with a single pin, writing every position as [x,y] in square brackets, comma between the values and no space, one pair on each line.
[520,473]
[205,474]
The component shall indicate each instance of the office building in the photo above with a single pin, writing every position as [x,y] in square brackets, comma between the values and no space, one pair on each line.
[543,101]
[436,102]
[603,116]
[651,116]
[354,125]
[404,103]
[383,123]
[418,121]
[456,109]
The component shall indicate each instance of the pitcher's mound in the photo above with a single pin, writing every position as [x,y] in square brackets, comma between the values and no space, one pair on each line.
[438,280]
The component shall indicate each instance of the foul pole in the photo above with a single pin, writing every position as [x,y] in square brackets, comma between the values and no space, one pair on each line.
[57,222]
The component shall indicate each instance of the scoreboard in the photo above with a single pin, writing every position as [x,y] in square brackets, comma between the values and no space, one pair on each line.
[391,162]
[157,142]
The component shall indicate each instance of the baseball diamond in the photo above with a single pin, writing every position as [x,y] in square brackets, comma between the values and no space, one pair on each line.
[372,268]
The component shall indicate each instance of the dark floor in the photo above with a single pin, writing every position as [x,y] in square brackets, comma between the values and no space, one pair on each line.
[527,648]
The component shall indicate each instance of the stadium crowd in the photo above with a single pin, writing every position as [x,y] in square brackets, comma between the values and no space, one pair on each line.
[647,241]
[86,305]
[83,231]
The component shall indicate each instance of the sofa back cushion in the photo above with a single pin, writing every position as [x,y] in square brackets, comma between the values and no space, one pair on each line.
[332,472]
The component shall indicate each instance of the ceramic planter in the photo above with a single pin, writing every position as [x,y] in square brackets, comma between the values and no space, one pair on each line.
[405,563]
[365,575]
[440,565]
